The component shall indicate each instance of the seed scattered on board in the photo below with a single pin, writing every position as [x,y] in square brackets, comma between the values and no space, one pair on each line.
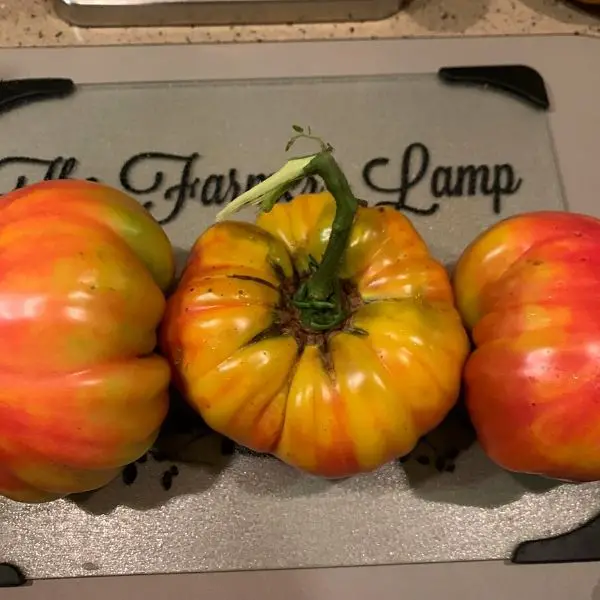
[130,472]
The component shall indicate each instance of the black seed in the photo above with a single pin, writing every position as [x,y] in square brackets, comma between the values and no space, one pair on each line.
[450,468]
[129,474]
[142,459]
[440,463]
[423,460]
[404,459]
[174,470]
[166,480]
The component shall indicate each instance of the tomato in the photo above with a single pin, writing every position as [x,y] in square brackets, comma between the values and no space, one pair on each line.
[324,333]
[529,290]
[83,271]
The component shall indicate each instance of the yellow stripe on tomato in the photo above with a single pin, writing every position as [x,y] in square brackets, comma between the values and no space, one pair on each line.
[245,395]
[423,348]
[315,435]
[379,421]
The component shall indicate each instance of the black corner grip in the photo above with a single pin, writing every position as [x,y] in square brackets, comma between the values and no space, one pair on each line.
[11,576]
[520,81]
[17,92]
[579,545]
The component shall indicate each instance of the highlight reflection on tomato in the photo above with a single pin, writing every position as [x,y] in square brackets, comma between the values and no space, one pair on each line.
[324,333]
[83,268]
[529,289]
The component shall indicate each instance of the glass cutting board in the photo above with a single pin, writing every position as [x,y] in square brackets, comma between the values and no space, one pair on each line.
[454,158]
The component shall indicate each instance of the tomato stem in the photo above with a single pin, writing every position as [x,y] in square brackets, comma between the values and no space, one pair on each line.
[319,299]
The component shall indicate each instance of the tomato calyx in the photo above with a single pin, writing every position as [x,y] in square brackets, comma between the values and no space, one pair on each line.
[319,299]
[288,319]
[292,319]
[320,315]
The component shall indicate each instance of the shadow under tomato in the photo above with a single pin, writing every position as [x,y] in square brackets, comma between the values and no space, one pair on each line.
[188,458]
[148,491]
[476,482]
[450,467]
[535,483]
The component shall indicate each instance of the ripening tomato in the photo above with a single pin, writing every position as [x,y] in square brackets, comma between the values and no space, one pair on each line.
[329,341]
[529,290]
[83,270]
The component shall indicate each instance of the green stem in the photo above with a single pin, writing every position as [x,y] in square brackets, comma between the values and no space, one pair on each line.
[319,299]
[322,283]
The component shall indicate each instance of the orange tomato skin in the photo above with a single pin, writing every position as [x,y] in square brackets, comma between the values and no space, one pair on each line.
[331,405]
[83,271]
[529,290]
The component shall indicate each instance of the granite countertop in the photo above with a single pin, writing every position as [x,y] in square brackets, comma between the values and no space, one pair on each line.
[33,23]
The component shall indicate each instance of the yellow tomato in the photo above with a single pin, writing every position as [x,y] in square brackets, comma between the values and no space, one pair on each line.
[333,382]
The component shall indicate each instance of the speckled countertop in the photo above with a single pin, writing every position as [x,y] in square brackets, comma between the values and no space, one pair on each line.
[33,23]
